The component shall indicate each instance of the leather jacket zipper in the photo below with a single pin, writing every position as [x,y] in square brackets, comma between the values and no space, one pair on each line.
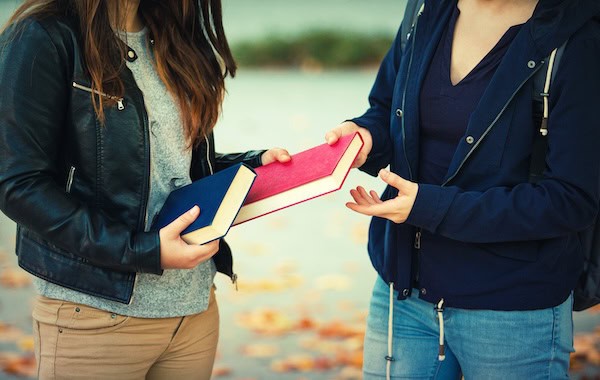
[120,104]
[70,179]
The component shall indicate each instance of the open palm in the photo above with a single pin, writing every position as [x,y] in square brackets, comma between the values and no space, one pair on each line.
[396,209]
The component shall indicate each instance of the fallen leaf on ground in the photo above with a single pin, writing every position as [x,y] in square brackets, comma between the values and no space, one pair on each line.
[10,333]
[333,282]
[260,350]
[279,284]
[339,329]
[301,363]
[352,359]
[349,373]
[306,323]
[266,321]
[594,309]
[587,351]
[18,365]
[26,344]
[222,372]
[15,278]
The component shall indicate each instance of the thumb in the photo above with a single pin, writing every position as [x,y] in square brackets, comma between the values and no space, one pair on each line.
[333,136]
[181,223]
[395,180]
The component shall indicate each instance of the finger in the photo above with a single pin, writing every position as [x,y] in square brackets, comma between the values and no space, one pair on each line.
[379,210]
[396,181]
[198,253]
[365,196]
[281,155]
[333,136]
[375,196]
[275,154]
[211,245]
[182,222]
[358,198]
[361,209]
[359,160]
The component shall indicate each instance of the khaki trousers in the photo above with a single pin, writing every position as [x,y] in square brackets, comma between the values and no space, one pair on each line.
[74,341]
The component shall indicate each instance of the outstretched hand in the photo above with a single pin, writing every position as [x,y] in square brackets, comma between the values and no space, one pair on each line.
[347,128]
[396,209]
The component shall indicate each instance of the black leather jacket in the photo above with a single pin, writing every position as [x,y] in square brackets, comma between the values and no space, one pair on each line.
[78,190]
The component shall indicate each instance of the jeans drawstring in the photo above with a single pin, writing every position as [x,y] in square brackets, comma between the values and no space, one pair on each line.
[389,358]
[440,313]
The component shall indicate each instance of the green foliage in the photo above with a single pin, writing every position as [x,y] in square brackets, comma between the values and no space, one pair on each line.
[314,50]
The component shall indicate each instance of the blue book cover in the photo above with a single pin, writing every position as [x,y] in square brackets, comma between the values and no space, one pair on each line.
[219,196]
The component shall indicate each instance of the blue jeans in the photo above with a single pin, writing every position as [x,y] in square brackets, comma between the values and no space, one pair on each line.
[479,344]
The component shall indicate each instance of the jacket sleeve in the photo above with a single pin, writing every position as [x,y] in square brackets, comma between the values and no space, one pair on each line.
[565,201]
[33,108]
[377,118]
[251,158]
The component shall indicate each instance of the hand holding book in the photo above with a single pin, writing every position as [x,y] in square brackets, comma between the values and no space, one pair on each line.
[307,175]
[188,239]
[349,128]
[229,196]
[275,154]
[175,253]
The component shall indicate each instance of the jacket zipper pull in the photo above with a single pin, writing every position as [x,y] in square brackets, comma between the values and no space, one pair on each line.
[120,105]
[234,278]
[418,239]
[70,179]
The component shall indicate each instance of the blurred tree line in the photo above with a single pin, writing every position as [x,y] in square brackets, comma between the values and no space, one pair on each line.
[318,49]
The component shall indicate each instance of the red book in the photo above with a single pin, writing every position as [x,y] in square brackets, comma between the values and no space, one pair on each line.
[309,174]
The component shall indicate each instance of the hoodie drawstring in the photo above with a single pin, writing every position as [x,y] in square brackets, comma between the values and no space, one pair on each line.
[389,358]
[440,313]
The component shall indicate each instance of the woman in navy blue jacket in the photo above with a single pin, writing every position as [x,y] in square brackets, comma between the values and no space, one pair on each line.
[476,264]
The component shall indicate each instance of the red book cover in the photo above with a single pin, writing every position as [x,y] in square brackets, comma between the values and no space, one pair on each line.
[309,174]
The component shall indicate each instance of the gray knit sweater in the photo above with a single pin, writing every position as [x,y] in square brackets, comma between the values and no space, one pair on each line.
[176,292]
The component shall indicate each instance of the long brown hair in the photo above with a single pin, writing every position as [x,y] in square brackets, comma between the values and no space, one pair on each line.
[191,52]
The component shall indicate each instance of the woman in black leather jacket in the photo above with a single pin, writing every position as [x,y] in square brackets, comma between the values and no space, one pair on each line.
[93,134]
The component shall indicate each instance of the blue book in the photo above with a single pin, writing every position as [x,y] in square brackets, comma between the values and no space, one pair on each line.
[219,196]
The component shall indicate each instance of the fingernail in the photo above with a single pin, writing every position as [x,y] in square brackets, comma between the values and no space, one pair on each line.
[384,173]
[194,210]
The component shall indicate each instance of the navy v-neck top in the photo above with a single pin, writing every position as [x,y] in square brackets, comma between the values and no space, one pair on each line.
[445,109]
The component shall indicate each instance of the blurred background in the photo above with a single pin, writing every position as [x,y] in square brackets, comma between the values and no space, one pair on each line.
[304,275]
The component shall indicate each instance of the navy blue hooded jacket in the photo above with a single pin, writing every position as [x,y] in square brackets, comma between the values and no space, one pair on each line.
[489,238]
